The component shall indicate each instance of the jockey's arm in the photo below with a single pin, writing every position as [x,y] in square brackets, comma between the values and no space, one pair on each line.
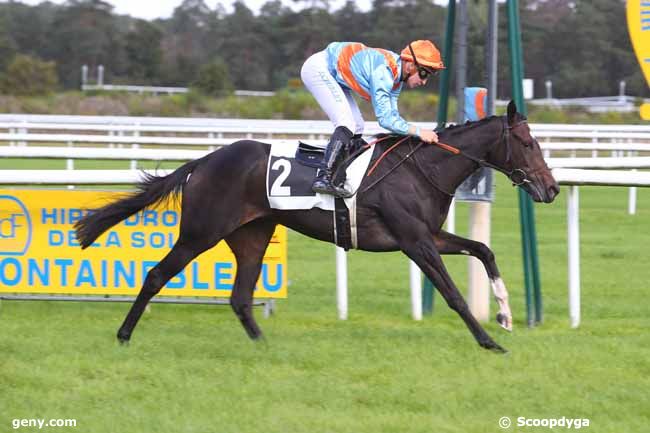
[384,102]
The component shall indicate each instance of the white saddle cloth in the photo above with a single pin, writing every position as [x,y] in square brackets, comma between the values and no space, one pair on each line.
[282,195]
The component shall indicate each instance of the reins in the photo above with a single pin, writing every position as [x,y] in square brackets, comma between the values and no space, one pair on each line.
[479,161]
[517,176]
[386,152]
[393,168]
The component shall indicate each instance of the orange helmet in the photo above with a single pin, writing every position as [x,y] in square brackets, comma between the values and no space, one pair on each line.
[426,54]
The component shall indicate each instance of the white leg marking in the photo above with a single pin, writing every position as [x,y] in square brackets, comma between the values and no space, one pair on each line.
[501,295]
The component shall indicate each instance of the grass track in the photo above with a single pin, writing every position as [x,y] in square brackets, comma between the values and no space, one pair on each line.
[191,368]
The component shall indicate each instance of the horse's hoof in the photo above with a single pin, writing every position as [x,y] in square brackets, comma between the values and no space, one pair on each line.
[494,347]
[504,321]
[123,339]
[498,349]
[259,338]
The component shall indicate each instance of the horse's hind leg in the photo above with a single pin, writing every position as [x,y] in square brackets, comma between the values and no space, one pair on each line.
[448,243]
[180,255]
[248,243]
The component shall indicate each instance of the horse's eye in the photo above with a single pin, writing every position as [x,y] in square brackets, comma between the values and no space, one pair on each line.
[526,142]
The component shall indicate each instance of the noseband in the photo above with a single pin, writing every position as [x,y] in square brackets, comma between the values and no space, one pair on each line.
[517,176]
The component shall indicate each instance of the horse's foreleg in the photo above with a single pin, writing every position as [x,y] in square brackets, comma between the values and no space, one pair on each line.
[417,243]
[448,243]
[248,243]
[179,256]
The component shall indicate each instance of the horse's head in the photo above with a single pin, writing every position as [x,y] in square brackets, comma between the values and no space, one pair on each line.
[520,156]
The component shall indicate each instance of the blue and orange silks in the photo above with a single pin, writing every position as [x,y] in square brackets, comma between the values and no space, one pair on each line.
[374,74]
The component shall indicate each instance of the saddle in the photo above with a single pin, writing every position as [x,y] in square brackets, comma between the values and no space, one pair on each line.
[309,155]
[312,156]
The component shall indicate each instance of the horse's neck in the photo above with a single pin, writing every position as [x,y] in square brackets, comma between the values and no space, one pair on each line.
[476,142]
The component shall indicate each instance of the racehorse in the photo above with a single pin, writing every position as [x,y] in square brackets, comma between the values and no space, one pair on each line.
[401,205]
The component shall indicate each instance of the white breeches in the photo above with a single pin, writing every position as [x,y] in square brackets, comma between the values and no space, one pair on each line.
[337,102]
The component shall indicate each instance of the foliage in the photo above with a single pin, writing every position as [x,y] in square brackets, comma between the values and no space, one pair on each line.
[581,45]
[143,52]
[286,104]
[7,46]
[84,32]
[214,79]
[26,75]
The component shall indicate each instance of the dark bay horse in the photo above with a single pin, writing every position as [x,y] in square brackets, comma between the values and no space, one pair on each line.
[401,206]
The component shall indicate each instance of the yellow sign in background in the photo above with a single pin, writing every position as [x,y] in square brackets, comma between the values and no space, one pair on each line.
[39,252]
[638,24]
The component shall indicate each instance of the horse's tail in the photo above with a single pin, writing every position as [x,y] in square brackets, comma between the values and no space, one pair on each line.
[151,190]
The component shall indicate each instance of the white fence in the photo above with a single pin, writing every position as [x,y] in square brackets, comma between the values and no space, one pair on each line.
[21,131]
[265,128]
[159,89]
[573,178]
[598,104]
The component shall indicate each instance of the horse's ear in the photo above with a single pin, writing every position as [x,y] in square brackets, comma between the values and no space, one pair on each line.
[512,110]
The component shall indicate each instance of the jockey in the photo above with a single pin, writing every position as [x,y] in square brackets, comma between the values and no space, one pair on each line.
[375,74]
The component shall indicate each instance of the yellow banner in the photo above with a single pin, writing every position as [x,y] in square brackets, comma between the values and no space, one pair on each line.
[638,24]
[39,252]
[645,111]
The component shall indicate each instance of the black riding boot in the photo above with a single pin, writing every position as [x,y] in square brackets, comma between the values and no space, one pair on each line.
[358,142]
[334,154]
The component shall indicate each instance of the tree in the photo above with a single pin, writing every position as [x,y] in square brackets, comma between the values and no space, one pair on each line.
[396,23]
[185,43]
[274,22]
[29,76]
[245,48]
[214,79]
[581,45]
[7,45]
[27,26]
[143,51]
[351,22]
[84,32]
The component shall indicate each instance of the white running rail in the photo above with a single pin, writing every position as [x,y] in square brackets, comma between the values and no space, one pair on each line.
[110,131]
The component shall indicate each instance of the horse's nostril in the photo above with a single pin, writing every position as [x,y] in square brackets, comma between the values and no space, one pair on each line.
[554,190]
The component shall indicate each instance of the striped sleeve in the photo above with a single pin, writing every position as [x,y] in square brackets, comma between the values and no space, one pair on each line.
[384,101]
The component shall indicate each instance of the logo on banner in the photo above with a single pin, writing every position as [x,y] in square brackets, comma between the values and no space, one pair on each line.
[39,251]
[15,226]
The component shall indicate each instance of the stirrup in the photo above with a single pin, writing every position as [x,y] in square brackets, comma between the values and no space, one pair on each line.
[342,192]
[324,187]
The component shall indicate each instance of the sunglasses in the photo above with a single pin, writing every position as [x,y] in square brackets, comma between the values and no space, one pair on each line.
[423,72]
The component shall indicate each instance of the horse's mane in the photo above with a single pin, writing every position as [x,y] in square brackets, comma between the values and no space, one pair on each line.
[459,127]
[453,129]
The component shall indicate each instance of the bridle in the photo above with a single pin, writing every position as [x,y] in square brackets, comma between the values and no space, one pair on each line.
[517,176]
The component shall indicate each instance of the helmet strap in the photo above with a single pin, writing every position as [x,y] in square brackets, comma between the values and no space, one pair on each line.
[421,71]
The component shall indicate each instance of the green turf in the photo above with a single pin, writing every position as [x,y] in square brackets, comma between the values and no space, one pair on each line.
[191,368]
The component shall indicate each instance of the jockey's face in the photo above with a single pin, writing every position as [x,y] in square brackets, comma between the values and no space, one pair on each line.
[414,80]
